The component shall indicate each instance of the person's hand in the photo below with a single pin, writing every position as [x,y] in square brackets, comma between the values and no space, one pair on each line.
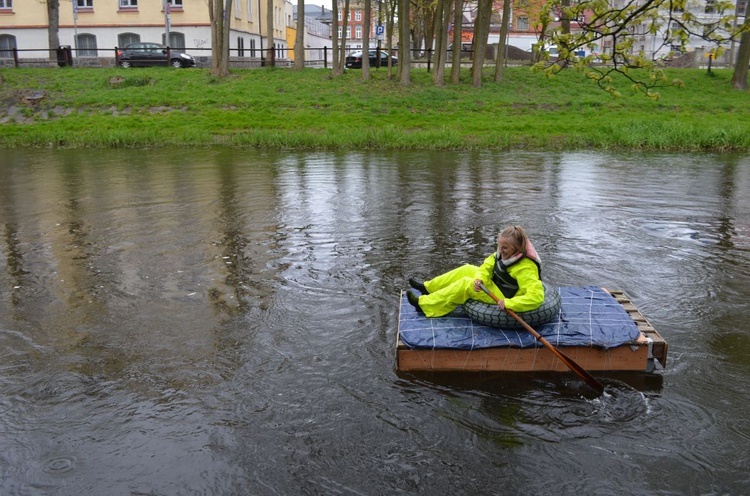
[477,284]
[501,304]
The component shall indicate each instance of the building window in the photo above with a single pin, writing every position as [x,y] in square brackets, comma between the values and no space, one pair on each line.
[710,7]
[86,45]
[128,4]
[522,24]
[125,39]
[84,4]
[176,41]
[6,4]
[358,15]
[175,4]
[7,45]
[348,32]
[252,48]
[358,32]
[339,13]
[240,46]
[249,10]
[237,7]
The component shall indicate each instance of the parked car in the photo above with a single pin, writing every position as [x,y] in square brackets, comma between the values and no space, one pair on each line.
[354,59]
[148,54]
[466,48]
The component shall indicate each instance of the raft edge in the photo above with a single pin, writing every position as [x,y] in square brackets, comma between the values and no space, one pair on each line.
[636,356]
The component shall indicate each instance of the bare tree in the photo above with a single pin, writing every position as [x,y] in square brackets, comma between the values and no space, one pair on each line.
[502,42]
[404,54]
[345,17]
[481,32]
[299,40]
[337,68]
[442,20]
[424,22]
[739,76]
[390,6]
[269,33]
[458,19]
[564,28]
[366,41]
[220,14]
[53,26]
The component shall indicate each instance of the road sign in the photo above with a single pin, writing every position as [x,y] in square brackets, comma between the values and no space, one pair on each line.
[379,31]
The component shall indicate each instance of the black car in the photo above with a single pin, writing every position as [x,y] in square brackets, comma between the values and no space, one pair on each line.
[148,54]
[354,59]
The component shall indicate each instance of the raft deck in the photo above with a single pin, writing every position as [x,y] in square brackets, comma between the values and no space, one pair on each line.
[646,352]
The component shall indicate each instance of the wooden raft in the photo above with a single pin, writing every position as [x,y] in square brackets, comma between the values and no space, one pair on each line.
[640,355]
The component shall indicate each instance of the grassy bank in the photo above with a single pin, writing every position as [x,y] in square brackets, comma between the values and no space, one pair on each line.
[281,108]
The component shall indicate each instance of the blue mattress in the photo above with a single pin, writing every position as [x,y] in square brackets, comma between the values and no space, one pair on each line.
[589,316]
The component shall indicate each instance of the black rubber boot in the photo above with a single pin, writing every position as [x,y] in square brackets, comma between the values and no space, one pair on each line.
[414,300]
[418,285]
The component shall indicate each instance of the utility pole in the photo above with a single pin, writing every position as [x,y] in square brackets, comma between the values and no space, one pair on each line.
[166,5]
[379,30]
[75,28]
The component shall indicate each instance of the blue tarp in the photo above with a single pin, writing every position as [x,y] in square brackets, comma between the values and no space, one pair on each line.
[589,316]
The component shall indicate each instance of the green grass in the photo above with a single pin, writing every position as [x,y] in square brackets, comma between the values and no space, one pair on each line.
[285,109]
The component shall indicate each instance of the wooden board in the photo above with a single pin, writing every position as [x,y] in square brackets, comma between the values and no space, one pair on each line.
[630,357]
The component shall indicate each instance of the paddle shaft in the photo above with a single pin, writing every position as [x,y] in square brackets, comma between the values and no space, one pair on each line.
[590,380]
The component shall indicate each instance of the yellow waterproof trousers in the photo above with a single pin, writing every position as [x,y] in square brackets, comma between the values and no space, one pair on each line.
[453,288]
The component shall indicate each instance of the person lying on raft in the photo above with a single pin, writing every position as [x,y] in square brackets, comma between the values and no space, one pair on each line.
[512,273]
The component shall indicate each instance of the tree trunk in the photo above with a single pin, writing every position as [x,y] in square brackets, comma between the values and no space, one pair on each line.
[739,76]
[366,41]
[501,46]
[429,27]
[404,43]
[564,29]
[345,20]
[458,18]
[442,19]
[390,7]
[269,35]
[53,27]
[481,31]
[336,69]
[225,36]
[299,40]
[220,14]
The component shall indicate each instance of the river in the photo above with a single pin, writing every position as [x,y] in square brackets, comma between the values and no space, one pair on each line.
[223,321]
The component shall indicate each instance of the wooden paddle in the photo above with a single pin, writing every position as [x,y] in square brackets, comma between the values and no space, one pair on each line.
[590,380]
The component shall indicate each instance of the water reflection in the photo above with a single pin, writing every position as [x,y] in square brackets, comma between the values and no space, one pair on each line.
[222,321]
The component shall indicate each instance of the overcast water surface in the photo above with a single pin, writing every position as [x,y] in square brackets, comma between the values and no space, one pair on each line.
[220,322]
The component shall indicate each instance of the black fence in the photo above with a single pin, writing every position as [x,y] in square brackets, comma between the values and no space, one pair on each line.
[67,56]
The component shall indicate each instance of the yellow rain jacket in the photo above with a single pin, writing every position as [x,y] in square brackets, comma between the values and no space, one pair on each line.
[453,288]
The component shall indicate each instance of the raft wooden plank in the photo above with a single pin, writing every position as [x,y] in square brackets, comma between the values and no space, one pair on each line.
[659,345]
[629,357]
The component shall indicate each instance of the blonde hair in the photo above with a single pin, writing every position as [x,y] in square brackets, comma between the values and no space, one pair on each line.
[517,236]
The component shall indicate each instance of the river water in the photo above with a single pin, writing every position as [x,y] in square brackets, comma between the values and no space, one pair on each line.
[220,322]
